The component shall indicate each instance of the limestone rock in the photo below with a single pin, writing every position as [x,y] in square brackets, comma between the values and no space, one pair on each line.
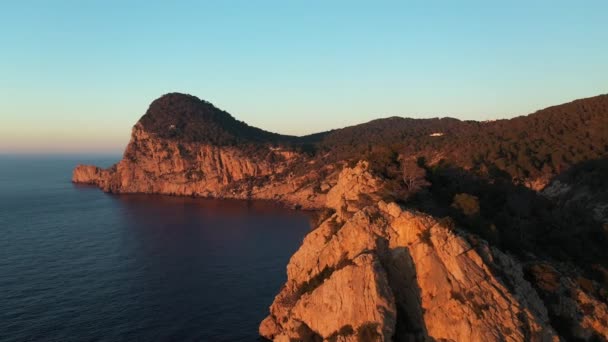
[355,296]
[429,283]
[355,188]
[88,174]
[163,166]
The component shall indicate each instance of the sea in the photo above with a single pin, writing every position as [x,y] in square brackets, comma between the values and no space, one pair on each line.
[78,264]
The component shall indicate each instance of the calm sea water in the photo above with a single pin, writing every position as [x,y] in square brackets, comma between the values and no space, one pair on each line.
[77,264]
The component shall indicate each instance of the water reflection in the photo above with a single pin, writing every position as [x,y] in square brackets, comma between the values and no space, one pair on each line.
[212,264]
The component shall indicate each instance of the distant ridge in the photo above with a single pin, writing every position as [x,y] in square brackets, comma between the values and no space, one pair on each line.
[545,142]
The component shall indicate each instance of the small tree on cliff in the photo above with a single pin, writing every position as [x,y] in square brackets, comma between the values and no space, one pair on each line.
[413,175]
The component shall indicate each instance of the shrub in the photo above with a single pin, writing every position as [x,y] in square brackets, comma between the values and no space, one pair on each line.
[468,204]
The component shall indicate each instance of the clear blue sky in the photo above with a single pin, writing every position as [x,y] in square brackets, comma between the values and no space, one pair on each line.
[76,75]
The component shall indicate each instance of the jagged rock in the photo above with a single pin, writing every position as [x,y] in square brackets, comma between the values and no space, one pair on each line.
[465,295]
[349,286]
[355,188]
[442,287]
[356,296]
[89,174]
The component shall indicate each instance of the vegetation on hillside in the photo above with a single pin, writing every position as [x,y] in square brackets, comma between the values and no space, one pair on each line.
[189,119]
[540,145]
[524,222]
[537,146]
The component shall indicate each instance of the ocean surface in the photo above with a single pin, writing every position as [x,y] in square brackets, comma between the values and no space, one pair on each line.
[77,264]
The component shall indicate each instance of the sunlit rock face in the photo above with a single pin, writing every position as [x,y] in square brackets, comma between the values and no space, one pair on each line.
[356,187]
[89,174]
[184,146]
[156,165]
[394,274]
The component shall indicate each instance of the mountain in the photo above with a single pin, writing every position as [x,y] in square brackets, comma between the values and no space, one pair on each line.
[186,118]
[185,146]
[428,228]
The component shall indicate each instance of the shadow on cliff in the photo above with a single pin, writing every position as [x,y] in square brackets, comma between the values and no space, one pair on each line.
[401,272]
[515,218]
[533,227]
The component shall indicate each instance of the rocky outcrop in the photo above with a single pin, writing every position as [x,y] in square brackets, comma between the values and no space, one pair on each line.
[378,272]
[89,174]
[468,292]
[404,276]
[356,187]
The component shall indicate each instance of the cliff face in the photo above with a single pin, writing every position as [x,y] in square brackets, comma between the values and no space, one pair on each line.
[156,165]
[185,146]
[163,166]
[381,273]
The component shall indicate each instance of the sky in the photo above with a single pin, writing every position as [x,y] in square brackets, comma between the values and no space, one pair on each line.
[75,76]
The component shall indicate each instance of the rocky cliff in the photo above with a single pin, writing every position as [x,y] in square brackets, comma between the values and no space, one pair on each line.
[160,166]
[173,151]
[381,273]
